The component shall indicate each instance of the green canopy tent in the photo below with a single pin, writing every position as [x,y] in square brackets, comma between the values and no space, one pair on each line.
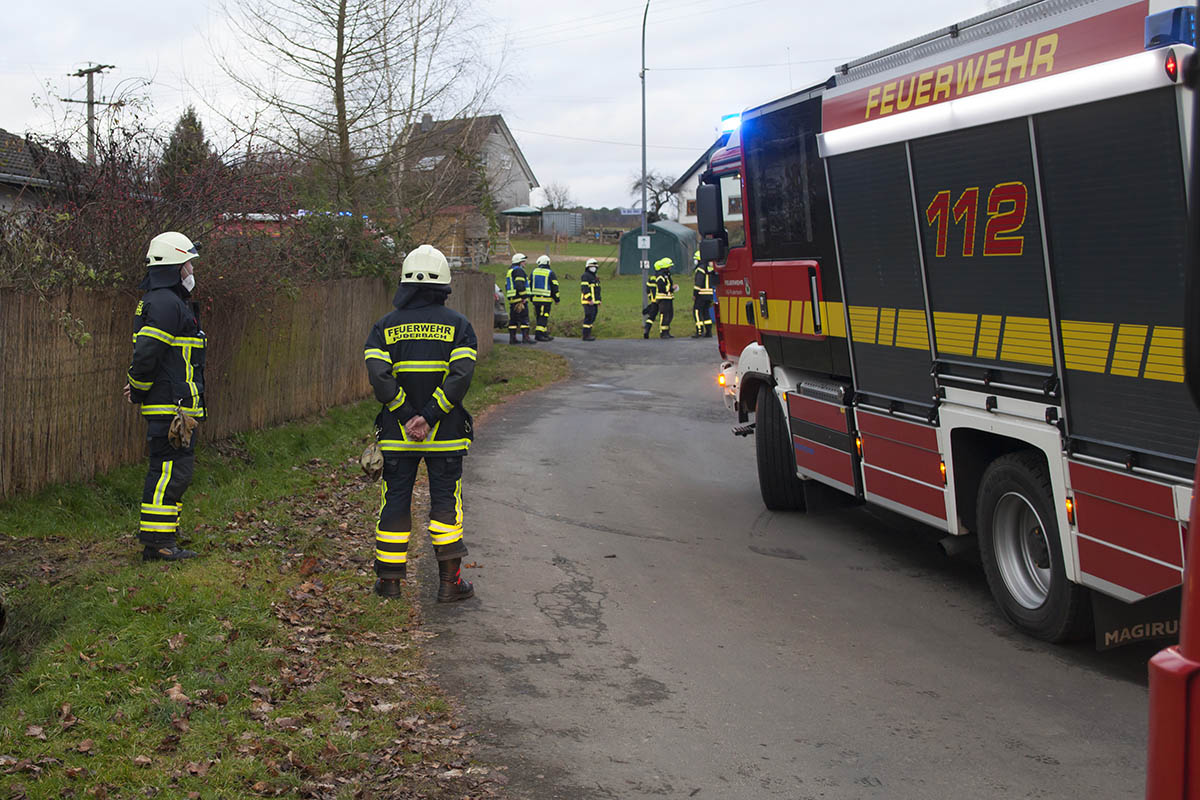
[667,240]
[518,211]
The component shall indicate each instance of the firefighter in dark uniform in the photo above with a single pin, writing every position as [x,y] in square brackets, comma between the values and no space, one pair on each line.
[703,292]
[166,377]
[661,290]
[544,292]
[516,291]
[589,296]
[420,359]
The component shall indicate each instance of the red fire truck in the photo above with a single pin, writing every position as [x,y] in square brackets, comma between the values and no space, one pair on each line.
[957,293]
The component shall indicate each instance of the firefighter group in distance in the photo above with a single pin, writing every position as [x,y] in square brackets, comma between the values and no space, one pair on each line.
[541,290]
[660,292]
[420,359]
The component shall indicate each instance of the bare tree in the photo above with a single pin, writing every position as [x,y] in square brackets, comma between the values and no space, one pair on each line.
[558,196]
[339,82]
[660,200]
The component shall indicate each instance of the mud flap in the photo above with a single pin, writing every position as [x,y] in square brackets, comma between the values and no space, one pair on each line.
[1119,623]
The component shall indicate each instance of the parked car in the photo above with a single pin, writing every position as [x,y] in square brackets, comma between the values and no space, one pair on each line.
[500,317]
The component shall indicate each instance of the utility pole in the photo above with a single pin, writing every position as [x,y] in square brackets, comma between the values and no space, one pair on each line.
[91,104]
[644,238]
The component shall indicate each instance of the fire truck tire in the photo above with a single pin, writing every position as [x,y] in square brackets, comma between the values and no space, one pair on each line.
[1021,552]
[781,489]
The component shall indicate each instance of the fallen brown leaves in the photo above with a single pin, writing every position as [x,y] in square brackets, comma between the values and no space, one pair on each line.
[383,732]
[425,755]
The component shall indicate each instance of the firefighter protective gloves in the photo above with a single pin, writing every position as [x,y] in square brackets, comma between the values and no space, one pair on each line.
[372,461]
[181,430]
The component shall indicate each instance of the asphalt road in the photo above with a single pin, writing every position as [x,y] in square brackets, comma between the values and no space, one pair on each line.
[644,628]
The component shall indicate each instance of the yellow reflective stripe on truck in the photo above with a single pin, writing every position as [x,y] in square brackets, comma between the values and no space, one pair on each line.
[1153,352]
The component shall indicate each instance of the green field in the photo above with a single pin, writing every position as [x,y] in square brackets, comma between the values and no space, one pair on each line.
[264,668]
[621,310]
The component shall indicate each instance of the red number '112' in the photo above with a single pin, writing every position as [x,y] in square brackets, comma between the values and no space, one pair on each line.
[1006,207]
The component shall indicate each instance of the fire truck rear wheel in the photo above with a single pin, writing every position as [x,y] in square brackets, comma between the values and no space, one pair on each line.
[1021,551]
[781,489]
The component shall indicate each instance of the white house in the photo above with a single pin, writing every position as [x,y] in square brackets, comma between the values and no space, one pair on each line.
[684,189]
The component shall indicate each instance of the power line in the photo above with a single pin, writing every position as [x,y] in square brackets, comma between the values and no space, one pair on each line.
[747,66]
[608,141]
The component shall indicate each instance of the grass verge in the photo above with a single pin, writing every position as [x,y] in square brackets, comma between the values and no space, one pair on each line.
[266,668]
[620,314]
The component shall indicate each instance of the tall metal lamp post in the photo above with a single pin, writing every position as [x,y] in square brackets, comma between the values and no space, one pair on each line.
[643,240]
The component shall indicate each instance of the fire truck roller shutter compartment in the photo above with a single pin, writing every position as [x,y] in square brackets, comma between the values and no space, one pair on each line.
[1117,261]
[881,267]
[982,243]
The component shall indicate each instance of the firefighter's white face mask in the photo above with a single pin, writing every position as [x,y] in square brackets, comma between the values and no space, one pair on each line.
[189,278]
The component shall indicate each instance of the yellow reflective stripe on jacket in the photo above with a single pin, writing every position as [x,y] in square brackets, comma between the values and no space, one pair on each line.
[141,385]
[189,373]
[420,366]
[463,352]
[398,446]
[154,333]
[373,352]
[150,411]
[397,401]
[443,402]
[189,341]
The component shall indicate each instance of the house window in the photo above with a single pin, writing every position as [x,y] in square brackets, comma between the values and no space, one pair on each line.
[506,161]
[735,204]
[691,208]
[429,162]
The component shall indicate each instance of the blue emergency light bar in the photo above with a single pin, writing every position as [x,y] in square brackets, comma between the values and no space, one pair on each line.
[730,122]
[1176,26]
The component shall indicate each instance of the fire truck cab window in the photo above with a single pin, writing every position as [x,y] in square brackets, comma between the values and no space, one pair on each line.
[785,184]
[731,196]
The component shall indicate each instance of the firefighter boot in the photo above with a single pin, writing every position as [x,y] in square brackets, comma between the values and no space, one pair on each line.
[527,339]
[388,587]
[588,337]
[665,335]
[512,337]
[451,586]
[171,552]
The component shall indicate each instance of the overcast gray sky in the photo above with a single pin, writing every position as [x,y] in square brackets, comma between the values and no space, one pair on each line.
[574,101]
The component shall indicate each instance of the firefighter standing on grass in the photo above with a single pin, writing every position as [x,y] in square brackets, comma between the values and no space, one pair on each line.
[544,291]
[166,377]
[516,291]
[705,280]
[589,296]
[661,291]
[420,359]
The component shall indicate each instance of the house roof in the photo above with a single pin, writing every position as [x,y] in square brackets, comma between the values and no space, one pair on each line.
[433,136]
[700,163]
[26,163]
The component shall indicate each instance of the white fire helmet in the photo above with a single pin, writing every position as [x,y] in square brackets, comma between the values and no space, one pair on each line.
[425,264]
[543,261]
[518,258]
[592,264]
[170,248]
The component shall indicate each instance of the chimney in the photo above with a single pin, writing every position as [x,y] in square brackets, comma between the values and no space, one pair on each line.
[426,123]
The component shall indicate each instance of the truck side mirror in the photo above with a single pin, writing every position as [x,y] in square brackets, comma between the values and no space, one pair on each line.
[713,250]
[709,219]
